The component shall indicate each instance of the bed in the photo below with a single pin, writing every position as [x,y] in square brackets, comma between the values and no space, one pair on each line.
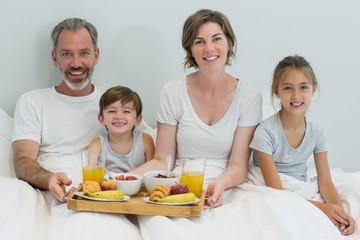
[250,211]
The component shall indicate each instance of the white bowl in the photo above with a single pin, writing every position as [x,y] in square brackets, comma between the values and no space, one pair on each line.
[151,181]
[129,187]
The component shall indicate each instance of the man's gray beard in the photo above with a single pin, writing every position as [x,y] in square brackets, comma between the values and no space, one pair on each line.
[72,86]
[77,87]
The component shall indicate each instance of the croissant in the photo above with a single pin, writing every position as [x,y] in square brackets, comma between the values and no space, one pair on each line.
[91,186]
[159,192]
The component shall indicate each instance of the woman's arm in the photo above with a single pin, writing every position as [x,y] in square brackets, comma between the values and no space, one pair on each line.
[239,158]
[269,170]
[237,168]
[165,145]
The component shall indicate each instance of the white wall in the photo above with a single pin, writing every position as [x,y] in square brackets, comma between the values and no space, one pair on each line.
[140,47]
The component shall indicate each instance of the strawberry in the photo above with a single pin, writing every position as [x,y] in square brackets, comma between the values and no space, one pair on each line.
[130,178]
[120,177]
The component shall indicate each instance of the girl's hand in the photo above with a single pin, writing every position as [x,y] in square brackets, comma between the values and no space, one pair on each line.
[214,193]
[335,213]
[349,228]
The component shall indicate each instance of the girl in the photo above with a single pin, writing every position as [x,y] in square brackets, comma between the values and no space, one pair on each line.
[284,142]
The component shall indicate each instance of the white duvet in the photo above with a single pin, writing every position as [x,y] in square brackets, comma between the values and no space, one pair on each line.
[27,213]
[250,211]
[253,211]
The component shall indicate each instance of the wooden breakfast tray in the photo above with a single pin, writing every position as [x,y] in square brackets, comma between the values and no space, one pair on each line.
[135,205]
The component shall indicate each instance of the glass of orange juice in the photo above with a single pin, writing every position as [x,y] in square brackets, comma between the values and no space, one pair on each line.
[93,164]
[192,174]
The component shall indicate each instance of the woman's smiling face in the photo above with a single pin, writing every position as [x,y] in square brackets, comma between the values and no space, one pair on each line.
[210,47]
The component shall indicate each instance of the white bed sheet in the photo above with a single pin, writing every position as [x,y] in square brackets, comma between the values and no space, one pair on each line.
[27,213]
[253,211]
[249,212]
[23,211]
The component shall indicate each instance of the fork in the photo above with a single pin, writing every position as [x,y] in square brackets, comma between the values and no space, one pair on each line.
[211,204]
[63,198]
[210,207]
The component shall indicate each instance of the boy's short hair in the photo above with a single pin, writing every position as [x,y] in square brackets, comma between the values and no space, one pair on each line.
[122,94]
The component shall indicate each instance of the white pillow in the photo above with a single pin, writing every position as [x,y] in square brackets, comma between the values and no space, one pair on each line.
[145,127]
[6,162]
[269,108]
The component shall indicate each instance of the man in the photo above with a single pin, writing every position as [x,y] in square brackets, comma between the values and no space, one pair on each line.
[53,125]
[57,122]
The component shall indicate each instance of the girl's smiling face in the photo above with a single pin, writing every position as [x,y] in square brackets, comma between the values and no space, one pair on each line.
[295,91]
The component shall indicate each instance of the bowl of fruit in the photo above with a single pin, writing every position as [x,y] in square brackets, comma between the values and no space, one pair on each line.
[153,178]
[129,183]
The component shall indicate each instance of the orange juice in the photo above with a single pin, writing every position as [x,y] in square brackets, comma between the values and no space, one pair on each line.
[194,181]
[93,173]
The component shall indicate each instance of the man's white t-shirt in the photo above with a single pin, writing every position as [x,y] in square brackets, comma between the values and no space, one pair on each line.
[61,124]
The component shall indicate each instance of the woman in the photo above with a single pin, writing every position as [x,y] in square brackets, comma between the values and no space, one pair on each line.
[209,111]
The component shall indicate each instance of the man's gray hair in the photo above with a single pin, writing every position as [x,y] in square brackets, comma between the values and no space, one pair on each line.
[74,24]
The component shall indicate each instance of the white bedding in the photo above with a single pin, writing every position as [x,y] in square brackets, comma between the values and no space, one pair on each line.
[23,211]
[250,211]
[253,211]
[27,213]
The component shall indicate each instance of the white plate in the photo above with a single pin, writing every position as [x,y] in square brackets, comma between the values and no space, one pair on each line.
[81,194]
[146,199]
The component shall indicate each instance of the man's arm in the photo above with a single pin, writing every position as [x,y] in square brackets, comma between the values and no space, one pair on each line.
[29,170]
[26,166]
